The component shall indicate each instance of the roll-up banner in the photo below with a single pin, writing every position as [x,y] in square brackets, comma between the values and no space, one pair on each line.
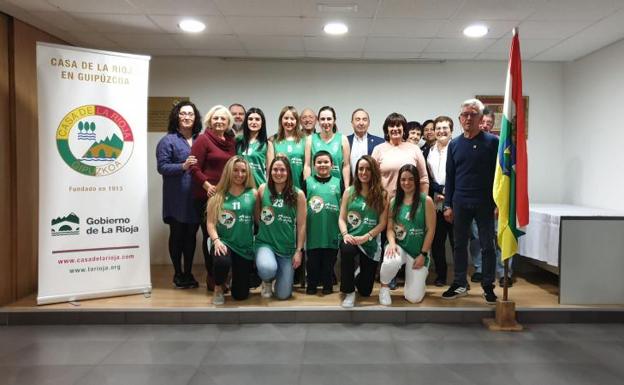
[93,220]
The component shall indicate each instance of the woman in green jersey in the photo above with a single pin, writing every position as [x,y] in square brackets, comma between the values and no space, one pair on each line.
[289,141]
[331,141]
[252,144]
[230,223]
[281,209]
[323,192]
[363,216]
[411,226]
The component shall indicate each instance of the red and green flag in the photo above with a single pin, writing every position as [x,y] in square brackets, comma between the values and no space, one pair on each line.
[510,180]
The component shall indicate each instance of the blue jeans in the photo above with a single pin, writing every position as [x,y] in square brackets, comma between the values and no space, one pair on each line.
[484,217]
[274,266]
[475,251]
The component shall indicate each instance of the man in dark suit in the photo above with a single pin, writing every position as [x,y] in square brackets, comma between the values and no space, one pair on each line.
[361,142]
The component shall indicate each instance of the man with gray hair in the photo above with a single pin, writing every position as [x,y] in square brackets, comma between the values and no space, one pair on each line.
[470,165]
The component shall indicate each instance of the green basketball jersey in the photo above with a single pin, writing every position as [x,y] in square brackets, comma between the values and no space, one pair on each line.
[278,224]
[323,211]
[361,219]
[295,151]
[235,225]
[334,147]
[257,160]
[410,234]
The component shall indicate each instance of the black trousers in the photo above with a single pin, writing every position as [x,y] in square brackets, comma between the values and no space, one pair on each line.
[320,267]
[182,243]
[365,279]
[438,247]
[241,269]
[200,207]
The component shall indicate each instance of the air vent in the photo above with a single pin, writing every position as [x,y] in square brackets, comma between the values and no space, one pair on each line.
[337,8]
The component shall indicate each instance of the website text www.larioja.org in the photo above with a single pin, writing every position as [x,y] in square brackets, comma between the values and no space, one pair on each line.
[94,263]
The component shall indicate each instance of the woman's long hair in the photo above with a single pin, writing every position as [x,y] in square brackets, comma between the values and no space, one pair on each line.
[281,132]
[376,197]
[243,144]
[215,204]
[400,194]
[288,193]
[174,118]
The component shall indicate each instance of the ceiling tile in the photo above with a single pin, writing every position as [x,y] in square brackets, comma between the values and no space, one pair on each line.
[420,9]
[64,21]
[455,28]
[96,6]
[334,55]
[576,9]
[104,22]
[277,54]
[498,9]
[178,7]
[289,26]
[406,27]
[494,56]
[218,53]
[448,55]
[34,5]
[334,44]
[357,27]
[551,29]
[201,42]
[273,43]
[215,25]
[377,55]
[258,7]
[394,44]
[459,45]
[528,47]
[365,8]
[146,41]
[165,51]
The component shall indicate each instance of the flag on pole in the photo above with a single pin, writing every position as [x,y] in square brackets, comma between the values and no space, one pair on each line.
[510,180]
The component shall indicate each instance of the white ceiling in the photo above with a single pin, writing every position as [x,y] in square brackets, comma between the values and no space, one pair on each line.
[550,30]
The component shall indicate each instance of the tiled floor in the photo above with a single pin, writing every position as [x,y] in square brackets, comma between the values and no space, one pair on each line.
[316,354]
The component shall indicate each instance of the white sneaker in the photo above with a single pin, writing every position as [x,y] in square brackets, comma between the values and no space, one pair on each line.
[349,301]
[384,296]
[267,289]
[218,298]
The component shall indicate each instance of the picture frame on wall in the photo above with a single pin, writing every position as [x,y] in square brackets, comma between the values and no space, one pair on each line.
[495,103]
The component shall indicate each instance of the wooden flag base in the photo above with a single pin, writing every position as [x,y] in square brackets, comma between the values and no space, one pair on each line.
[505,320]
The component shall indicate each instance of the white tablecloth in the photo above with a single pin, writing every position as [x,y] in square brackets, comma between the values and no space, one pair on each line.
[541,240]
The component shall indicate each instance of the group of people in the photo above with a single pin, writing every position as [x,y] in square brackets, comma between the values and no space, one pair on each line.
[267,205]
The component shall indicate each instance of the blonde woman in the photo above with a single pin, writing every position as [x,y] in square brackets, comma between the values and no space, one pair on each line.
[230,226]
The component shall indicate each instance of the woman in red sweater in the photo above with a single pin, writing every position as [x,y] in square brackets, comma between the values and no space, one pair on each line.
[212,150]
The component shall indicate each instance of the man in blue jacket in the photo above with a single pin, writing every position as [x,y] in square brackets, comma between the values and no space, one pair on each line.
[470,166]
[361,142]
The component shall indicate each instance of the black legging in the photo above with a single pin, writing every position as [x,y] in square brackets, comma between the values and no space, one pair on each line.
[320,267]
[438,247]
[365,279]
[241,269]
[182,243]
[200,207]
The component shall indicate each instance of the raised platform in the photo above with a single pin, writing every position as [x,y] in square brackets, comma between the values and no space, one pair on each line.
[535,294]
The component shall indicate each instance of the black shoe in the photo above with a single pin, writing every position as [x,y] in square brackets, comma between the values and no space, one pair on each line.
[311,290]
[393,284]
[327,290]
[501,282]
[488,294]
[179,282]
[440,282]
[190,281]
[455,291]
[476,277]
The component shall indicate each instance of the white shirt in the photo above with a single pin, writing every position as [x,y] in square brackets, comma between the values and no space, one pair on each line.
[359,147]
[437,162]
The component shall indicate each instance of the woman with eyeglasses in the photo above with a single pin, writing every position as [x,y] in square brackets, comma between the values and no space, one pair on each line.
[174,159]
[212,150]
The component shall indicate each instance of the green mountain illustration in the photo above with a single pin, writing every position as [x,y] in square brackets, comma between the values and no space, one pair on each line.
[107,148]
[73,218]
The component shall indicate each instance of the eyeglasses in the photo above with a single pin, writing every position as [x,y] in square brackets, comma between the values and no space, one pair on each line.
[465,115]
[185,114]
